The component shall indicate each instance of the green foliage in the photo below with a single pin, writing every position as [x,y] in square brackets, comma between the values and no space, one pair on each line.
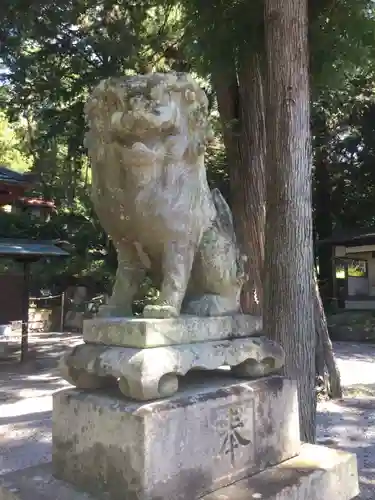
[222,32]
[220,35]
[79,234]
[344,132]
[54,53]
[12,146]
[342,40]
[216,158]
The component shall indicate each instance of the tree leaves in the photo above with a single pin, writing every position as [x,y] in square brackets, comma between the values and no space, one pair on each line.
[52,54]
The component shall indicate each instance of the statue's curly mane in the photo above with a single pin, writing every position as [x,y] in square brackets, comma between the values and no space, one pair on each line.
[146,139]
[129,113]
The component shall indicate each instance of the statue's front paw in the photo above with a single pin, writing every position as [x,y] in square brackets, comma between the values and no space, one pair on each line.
[160,311]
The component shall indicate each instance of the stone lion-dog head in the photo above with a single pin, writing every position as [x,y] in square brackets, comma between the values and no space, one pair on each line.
[154,115]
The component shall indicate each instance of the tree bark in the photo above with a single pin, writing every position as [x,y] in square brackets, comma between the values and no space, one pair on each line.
[323,207]
[325,356]
[253,147]
[288,299]
[241,105]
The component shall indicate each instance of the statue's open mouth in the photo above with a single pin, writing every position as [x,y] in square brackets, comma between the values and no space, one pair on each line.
[127,126]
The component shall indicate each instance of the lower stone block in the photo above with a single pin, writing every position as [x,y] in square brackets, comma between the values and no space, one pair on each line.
[318,473]
[4,349]
[178,448]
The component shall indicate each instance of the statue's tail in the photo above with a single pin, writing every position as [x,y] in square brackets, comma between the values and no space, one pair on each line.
[224,222]
[224,218]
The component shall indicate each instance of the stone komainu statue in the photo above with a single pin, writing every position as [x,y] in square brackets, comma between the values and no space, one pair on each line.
[146,140]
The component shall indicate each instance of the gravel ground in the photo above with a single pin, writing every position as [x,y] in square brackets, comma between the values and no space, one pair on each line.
[26,402]
[350,424]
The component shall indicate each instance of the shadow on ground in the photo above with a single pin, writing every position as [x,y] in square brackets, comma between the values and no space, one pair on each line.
[25,407]
[22,386]
[38,375]
[351,351]
[350,425]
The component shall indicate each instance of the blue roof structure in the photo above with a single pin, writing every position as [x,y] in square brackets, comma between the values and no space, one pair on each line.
[9,176]
[29,248]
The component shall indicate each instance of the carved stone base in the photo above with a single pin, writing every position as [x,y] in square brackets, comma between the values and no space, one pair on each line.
[152,332]
[177,449]
[153,373]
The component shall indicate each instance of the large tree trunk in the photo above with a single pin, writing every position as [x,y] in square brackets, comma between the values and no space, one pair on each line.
[288,305]
[241,104]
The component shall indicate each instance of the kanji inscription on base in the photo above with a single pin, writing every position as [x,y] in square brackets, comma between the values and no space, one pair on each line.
[235,428]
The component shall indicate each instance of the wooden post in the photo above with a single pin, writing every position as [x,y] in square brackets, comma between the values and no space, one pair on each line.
[62,315]
[335,294]
[25,311]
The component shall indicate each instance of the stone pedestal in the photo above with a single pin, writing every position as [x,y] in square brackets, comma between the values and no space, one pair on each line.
[148,357]
[217,437]
[177,449]
[152,373]
[317,473]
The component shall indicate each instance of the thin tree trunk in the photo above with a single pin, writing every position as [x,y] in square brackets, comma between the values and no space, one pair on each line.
[325,356]
[323,207]
[253,147]
[288,305]
[241,105]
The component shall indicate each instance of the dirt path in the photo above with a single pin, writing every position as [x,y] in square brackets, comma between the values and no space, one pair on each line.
[350,424]
[26,402]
